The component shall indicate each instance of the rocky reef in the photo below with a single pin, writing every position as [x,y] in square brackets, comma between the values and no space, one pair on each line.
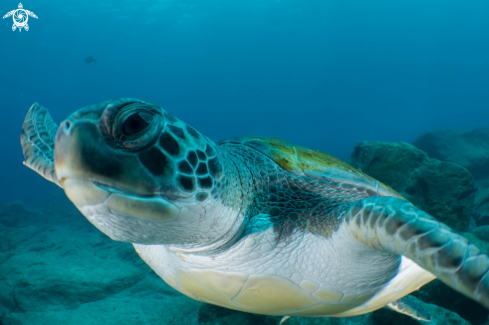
[439,188]
[469,149]
[481,207]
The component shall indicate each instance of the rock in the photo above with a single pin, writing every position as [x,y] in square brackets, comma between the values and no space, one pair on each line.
[481,207]
[439,188]
[469,149]
[482,233]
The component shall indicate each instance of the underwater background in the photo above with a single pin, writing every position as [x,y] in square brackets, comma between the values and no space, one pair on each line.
[323,74]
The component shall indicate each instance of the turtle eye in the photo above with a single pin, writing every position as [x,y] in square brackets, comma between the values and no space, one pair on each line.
[134,124]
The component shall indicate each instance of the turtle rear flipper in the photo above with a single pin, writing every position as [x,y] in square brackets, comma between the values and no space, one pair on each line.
[396,226]
[410,308]
[37,140]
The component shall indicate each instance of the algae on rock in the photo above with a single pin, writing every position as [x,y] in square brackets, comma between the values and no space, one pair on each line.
[439,188]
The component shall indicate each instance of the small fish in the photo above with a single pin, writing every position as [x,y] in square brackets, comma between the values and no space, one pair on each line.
[90,59]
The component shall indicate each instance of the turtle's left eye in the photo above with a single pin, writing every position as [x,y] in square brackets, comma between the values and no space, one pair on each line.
[135,124]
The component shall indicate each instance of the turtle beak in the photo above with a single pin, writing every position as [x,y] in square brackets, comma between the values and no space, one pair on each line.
[72,141]
[81,152]
[60,152]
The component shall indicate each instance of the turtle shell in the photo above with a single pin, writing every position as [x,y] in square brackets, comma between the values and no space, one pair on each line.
[303,161]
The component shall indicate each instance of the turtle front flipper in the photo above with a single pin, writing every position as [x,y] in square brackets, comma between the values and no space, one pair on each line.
[37,140]
[396,226]
[410,308]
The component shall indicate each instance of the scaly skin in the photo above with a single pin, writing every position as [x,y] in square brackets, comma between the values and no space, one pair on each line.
[253,224]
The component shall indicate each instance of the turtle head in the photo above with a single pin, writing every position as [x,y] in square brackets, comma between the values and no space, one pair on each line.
[139,174]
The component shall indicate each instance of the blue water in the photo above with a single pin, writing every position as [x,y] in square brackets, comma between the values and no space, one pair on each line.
[324,74]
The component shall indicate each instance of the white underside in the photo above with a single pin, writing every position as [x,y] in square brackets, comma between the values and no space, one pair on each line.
[410,278]
[312,276]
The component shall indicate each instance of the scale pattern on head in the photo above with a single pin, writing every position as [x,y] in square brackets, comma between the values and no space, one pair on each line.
[196,158]
[185,155]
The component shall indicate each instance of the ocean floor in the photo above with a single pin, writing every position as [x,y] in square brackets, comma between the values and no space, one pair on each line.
[56,268]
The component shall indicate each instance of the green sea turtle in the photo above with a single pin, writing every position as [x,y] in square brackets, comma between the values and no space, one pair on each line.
[252,224]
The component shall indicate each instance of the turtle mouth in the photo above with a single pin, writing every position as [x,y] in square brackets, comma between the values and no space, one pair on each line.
[111,188]
[105,186]
[115,188]
[87,194]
